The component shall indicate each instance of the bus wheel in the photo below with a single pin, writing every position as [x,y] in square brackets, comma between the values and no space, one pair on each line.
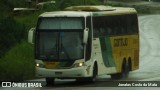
[124,73]
[50,81]
[94,74]
[129,65]
[125,70]
[95,70]
[89,79]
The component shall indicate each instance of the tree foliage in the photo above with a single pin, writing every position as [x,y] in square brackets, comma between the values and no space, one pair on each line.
[61,4]
[18,63]
[11,32]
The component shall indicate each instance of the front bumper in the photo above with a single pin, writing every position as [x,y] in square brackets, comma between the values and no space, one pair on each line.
[62,73]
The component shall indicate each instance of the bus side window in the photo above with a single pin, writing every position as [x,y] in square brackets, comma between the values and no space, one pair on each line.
[123,31]
[132,24]
[108,26]
[96,33]
[109,31]
[103,32]
[98,27]
[116,29]
[135,20]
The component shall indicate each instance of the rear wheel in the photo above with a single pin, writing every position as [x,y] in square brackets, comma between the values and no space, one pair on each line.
[125,69]
[50,81]
[130,65]
[123,74]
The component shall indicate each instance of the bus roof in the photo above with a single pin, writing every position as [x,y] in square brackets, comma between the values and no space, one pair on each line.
[103,10]
[65,14]
[90,8]
[83,11]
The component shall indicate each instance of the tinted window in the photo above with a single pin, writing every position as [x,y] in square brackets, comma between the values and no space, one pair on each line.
[115,25]
[60,23]
[89,44]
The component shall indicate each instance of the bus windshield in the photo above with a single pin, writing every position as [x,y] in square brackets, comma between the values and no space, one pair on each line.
[61,23]
[60,39]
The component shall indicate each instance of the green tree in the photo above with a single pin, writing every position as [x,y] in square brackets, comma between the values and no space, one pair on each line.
[18,63]
[11,32]
[61,4]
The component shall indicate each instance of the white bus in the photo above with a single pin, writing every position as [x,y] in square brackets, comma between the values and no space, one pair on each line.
[85,41]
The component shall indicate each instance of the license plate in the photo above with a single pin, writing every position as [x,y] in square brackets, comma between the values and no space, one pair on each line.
[50,65]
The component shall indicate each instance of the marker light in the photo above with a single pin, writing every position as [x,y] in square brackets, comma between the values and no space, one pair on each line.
[79,64]
[37,65]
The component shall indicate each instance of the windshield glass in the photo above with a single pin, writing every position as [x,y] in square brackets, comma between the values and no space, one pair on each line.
[60,45]
[61,23]
[47,45]
[59,39]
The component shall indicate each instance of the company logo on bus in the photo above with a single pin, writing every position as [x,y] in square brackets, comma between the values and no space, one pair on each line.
[120,42]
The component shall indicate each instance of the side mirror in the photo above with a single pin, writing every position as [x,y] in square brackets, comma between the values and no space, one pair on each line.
[31,35]
[85,35]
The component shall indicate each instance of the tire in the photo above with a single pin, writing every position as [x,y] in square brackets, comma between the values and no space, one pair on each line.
[94,74]
[130,65]
[125,70]
[89,79]
[123,74]
[50,81]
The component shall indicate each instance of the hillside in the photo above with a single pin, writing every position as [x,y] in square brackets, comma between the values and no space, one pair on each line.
[16,54]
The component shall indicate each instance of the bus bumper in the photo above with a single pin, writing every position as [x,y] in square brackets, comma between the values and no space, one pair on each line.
[65,73]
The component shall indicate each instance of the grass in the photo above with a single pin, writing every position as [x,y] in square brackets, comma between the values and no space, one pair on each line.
[18,63]
[29,20]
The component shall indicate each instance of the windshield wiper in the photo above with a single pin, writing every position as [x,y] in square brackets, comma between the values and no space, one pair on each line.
[63,51]
[62,48]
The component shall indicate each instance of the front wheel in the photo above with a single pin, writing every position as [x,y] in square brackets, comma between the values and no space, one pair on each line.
[89,79]
[94,74]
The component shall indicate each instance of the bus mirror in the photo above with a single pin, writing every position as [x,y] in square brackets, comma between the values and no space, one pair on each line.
[85,35]
[31,35]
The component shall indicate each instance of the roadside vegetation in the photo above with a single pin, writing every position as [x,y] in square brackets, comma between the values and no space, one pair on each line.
[140,9]
[18,63]
[16,54]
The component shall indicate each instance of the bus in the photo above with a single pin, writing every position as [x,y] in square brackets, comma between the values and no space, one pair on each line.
[83,42]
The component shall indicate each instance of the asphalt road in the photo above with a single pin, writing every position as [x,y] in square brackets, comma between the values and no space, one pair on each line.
[149,26]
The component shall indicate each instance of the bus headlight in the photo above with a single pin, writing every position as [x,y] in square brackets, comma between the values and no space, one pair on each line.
[39,65]
[79,64]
